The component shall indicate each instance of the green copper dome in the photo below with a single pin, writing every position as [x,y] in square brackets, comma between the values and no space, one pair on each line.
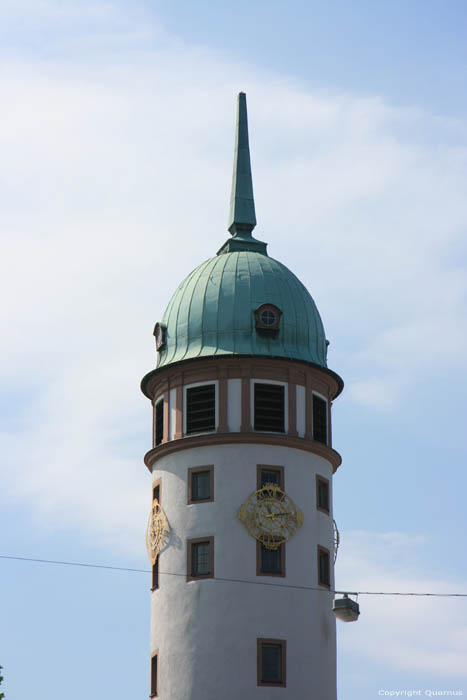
[212,313]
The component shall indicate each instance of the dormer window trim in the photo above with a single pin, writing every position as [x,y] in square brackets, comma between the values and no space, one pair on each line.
[160,335]
[268,319]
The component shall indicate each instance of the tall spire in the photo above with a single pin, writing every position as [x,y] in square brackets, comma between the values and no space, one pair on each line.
[242,218]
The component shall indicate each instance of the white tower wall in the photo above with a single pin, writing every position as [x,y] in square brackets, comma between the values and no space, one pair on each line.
[206,631]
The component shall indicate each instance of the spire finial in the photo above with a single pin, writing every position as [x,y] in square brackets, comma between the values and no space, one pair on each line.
[242,219]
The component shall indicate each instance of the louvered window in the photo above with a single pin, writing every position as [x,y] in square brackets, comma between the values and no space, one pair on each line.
[201,409]
[159,422]
[269,407]
[320,422]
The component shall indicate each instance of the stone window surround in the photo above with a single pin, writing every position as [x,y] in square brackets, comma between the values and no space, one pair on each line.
[328,415]
[274,382]
[280,573]
[154,690]
[189,549]
[174,379]
[324,550]
[272,468]
[259,646]
[323,480]
[193,470]
[216,403]
[164,411]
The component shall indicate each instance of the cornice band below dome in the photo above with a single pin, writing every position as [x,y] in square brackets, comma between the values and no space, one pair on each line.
[184,443]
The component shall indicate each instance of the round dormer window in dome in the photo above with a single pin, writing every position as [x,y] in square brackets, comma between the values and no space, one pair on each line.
[268,318]
[160,334]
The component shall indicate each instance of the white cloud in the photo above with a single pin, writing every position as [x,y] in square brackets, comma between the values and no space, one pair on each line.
[115,172]
[412,634]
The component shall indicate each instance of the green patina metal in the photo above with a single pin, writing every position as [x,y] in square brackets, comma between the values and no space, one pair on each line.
[242,218]
[212,313]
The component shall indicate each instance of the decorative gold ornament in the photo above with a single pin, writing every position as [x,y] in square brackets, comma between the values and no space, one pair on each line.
[270,516]
[158,527]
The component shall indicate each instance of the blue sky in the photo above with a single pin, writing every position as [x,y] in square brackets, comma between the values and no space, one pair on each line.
[116,137]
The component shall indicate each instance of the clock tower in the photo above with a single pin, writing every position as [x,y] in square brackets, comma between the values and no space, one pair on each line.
[241,533]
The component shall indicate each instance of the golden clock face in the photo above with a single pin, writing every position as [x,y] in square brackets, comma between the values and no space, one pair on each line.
[157,529]
[270,516]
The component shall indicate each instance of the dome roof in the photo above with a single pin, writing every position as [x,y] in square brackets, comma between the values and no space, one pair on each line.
[212,313]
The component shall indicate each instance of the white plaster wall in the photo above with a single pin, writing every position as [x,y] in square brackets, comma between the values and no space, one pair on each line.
[206,631]
[301,424]
[234,405]
[172,412]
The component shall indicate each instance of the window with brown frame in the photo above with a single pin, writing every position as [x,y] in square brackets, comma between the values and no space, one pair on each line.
[268,319]
[271,662]
[201,484]
[324,574]
[200,563]
[154,674]
[320,419]
[268,474]
[270,562]
[156,491]
[155,575]
[322,494]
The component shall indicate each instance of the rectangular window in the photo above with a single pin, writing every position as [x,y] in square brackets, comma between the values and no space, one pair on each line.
[156,492]
[267,474]
[201,484]
[200,558]
[201,409]
[271,662]
[270,562]
[320,419]
[322,494]
[324,576]
[269,407]
[154,675]
[155,575]
[159,432]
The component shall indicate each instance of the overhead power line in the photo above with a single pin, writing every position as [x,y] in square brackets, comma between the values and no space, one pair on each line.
[235,580]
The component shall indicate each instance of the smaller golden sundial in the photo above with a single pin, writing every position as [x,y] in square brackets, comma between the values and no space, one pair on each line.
[270,516]
[158,527]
